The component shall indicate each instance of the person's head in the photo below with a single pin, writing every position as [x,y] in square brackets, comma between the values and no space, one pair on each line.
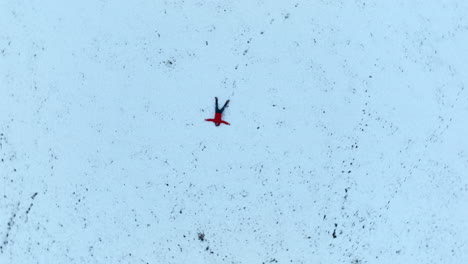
[217,124]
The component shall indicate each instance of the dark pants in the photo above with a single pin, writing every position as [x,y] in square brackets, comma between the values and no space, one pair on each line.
[222,109]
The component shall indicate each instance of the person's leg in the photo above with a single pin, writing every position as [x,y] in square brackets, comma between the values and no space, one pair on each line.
[216,102]
[224,106]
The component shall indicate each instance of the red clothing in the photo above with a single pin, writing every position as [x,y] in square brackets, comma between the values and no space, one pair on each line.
[218,119]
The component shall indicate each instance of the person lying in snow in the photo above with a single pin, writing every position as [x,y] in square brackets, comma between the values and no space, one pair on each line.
[218,114]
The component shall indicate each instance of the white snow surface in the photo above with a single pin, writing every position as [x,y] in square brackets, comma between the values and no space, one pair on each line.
[348,137]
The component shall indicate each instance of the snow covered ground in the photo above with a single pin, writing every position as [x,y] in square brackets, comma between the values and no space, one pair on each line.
[348,141]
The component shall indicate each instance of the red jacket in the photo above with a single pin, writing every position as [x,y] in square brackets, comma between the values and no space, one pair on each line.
[218,119]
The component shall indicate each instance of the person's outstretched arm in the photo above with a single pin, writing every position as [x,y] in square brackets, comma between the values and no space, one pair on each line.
[224,122]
